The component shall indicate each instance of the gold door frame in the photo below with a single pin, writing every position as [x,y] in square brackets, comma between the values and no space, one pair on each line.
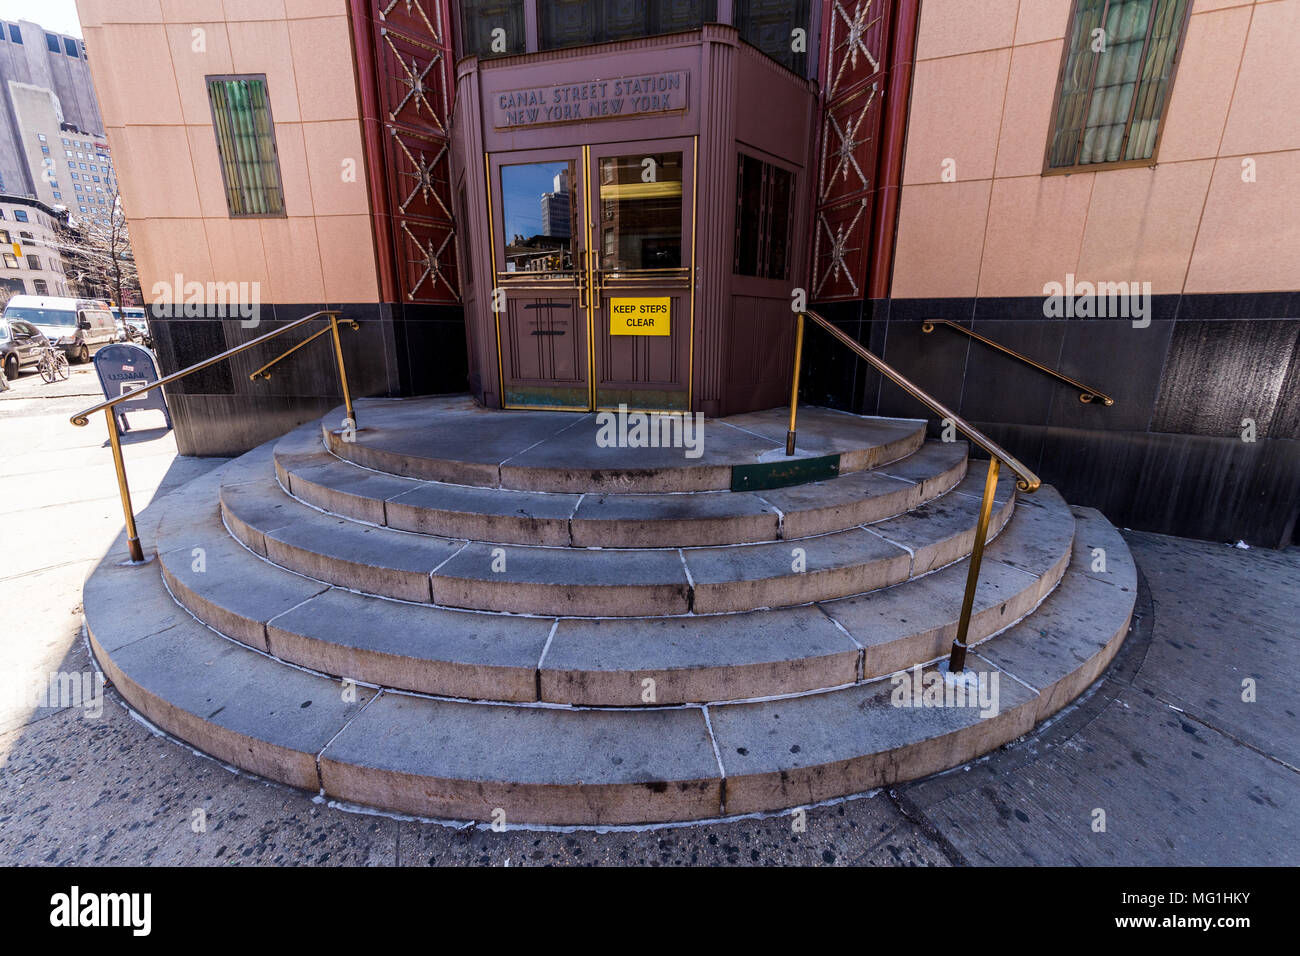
[588,272]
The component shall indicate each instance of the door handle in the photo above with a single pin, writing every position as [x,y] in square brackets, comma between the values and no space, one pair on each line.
[582,284]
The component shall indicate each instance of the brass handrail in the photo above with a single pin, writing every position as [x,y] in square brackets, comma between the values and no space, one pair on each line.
[1087,394]
[1026,480]
[82,418]
[265,371]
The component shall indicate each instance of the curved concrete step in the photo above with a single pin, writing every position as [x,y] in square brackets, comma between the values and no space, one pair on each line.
[555,765]
[700,519]
[600,662]
[449,439]
[606,582]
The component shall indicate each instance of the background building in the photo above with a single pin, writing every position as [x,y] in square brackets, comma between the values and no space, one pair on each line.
[556,211]
[33,242]
[46,84]
[897,160]
[55,163]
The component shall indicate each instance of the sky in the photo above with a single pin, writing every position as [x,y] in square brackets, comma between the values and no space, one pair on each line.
[59,16]
[523,187]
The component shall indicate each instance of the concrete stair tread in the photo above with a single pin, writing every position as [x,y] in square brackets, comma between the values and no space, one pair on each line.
[242,707]
[469,761]
[464,760]
[560,453]
[520,579]
[806,749]
[333,549]
[812,747]
[683,520]
[446,438]
[844,562]
[600,582]
[942,530]
[477,655]
[701,519]
[633,662]
[413,646]
[917,620]
[1080,629]
[597,662]
[399,669]
[863,497]
[225,585]
[829,431]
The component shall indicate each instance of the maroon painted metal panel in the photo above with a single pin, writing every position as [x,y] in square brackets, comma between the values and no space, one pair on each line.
[854,49]
[360,13]
[404,56]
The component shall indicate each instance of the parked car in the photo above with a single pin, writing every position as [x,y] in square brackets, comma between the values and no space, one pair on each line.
[20,345]
[132,324]
[78,326]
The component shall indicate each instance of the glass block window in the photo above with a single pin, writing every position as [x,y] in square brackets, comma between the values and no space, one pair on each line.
[250,166]
[1116,74]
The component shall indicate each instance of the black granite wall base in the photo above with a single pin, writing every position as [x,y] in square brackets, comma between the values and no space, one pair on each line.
[1168,456]
[398,350]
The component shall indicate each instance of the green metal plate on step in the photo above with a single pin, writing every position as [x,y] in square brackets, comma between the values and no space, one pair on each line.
[781,474]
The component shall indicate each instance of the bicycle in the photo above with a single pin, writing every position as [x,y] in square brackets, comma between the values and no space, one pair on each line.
[53,364]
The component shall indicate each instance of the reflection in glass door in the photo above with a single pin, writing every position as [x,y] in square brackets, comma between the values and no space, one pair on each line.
[592,254]
[541,308]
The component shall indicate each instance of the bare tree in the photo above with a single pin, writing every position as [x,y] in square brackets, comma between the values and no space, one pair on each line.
[97,253]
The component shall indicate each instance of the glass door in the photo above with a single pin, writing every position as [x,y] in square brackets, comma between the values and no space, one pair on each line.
[641,253]
[540,293]
[593,251]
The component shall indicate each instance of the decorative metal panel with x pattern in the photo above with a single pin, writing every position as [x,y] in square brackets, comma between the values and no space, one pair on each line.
[413,57]
[853,61]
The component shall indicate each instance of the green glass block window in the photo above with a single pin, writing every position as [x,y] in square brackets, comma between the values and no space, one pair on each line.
[250,166]
[1116,74]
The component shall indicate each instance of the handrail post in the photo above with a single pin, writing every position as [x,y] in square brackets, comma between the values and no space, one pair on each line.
[132,536]
[957,659]
[794,386]
[343,376]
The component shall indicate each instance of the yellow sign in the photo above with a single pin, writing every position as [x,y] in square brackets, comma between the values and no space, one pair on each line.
[18,250]
[640,316]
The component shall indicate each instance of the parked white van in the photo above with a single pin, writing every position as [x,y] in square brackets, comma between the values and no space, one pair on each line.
[78,326]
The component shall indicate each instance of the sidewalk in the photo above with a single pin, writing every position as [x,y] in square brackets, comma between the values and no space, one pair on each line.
[1185,771]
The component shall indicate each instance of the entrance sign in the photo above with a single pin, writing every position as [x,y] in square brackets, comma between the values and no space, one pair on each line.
[597,99]
[640,316]
[123,368]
